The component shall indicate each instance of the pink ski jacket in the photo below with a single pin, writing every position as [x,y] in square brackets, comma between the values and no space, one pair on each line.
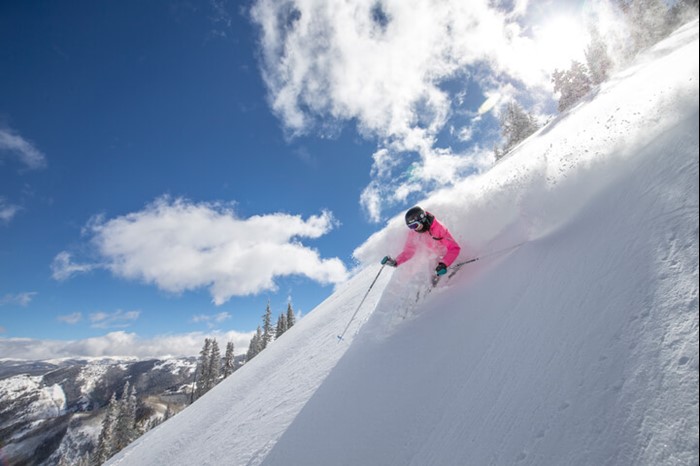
[437,238]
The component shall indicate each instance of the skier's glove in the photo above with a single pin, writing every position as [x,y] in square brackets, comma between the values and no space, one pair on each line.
[388,260]
[441,269]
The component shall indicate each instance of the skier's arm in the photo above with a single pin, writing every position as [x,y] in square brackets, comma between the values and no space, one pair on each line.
[450,244]
[453,249]
[409,249]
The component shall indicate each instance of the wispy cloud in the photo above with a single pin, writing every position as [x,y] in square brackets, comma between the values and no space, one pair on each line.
[117,319]
[397,69]
[71,319]
[179,245]
[7,211]
[119,343]
[220,13]
[18,299]
[218,318]
[25,151]
[381,64]
[63,267]
[211,319]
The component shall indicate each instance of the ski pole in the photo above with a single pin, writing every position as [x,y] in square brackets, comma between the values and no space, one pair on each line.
[340,337]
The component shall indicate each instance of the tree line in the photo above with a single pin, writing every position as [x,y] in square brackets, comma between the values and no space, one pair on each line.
[121,425]
[648,21]
[267,333]
[211,369]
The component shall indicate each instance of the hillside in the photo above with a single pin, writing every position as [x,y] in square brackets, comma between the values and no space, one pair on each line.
[579,347]
[52,410]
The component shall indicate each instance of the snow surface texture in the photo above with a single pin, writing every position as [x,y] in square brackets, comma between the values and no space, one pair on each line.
[578,348]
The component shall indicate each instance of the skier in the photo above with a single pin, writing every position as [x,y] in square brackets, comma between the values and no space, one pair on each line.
[431,233]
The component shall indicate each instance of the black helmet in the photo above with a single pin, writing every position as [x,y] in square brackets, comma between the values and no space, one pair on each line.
[414,216]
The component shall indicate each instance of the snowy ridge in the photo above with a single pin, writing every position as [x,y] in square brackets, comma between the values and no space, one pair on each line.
[580,347]
[47,402]
[50,413]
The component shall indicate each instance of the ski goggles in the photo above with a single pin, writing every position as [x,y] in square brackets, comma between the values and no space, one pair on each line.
[414,225]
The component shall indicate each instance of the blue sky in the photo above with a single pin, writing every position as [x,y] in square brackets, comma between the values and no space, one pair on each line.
[169,167]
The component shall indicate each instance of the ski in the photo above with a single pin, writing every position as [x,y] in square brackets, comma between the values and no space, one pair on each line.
[452,270]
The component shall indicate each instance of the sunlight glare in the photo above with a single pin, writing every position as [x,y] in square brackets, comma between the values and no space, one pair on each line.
[561,40]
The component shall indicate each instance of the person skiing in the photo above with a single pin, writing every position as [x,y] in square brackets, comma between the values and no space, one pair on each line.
[431,233]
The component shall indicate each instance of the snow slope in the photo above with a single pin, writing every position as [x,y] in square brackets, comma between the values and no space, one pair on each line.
[579,347]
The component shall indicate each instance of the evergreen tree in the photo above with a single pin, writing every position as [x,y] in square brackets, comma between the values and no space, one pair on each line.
[214,365]
[572,84]
[682,12]
[229,360]
[132,407]
[255,345]
[203,369]
[291,318]
[105,442]
[597,58]
[516,126]
[125,426]
[258,340]
[648,22]
[267,327]
[281,325]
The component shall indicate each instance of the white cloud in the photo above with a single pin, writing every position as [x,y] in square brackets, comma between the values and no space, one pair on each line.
[371,200]
[63,267]
[18,299]
[71,319]
[178,246]
[116,319]
[24,150]
[211,319]
[383,65]
[119,343]
[7,211]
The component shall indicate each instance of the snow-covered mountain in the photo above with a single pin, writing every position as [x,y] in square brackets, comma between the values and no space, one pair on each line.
[53,409]
[579,347]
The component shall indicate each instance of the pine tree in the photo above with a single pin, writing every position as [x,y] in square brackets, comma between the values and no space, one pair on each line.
[255,345]
[267,327]
[648,20]
[132,406]
[125,426]
[516,126]
[281,325]
[258,341]
[214,365]
[229,360]
[682,12]
[203,369]
[572,84]
[105,442]
[291,318]
[597,58]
